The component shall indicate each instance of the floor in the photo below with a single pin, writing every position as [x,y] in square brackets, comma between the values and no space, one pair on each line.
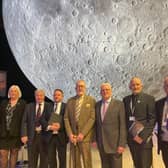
[127,161]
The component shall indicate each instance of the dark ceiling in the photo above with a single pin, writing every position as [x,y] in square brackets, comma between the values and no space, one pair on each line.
[8,63]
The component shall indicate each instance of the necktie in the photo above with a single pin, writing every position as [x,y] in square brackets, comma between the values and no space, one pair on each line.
[78,108]
[104,110]
[55,108]
[38,114]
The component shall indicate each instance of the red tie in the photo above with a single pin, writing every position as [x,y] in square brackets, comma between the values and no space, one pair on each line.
[38,114]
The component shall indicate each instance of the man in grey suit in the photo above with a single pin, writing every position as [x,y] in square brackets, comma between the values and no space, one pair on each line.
[110,128]
[33,131]
[140,108]
[79,123]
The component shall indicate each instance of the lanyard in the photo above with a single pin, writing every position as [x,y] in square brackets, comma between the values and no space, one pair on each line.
[132,107]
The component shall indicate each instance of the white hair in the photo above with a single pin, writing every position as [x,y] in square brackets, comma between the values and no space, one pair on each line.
[17,88]
[106,84]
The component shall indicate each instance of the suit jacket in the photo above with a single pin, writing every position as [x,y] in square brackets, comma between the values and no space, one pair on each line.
[145,113]
[16,119]
[86,118]
[159,116]
[28,121]
[111,132]
[62,136]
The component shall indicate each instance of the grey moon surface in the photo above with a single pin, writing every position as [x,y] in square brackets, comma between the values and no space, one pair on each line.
[56,42]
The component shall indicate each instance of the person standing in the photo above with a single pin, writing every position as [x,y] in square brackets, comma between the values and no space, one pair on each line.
[162,121]
[79,123]
[11,112]
[110,128]
[140,108]
[58,137]
[34,130]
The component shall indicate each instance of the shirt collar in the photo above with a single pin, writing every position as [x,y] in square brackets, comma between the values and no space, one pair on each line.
[57,103]
[42,103]
[107,101]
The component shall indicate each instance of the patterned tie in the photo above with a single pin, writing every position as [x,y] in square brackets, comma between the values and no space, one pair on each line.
[38,114]
[78,108]
[55,108]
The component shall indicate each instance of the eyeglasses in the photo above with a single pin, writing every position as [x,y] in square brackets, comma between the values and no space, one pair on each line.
[102,90]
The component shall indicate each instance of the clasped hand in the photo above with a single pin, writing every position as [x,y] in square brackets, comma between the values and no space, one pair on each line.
[55,126]
[76,138]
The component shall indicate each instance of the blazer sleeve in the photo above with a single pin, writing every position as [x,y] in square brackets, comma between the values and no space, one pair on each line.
[25,121]
[62,125]
[149,123]
[46,116]
[66,118]
[91,120]
[122,120]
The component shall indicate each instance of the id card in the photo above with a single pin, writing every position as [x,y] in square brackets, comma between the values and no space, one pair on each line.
[131,118]
[164,123]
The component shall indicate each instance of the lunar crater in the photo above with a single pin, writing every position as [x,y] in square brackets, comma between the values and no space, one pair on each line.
[58,42]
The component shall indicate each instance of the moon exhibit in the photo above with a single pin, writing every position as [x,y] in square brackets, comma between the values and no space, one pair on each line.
[56,42]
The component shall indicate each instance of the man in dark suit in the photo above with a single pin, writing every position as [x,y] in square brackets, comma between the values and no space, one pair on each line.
[79,122]
[33,131]
[140,107]
[162,120]
[110,128]
[58,138]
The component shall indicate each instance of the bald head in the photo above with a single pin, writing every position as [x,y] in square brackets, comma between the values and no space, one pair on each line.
[105,91]
[136,85]
[80,87]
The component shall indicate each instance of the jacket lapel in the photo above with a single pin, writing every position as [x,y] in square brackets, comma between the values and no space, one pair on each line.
[82,110]
[162,108]
[73,108]
[99,112]
[34,110]
[110,107]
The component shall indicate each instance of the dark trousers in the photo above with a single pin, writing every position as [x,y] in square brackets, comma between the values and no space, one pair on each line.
[38,148]
[110,160]
[164,149]
[55,147]
[142,157]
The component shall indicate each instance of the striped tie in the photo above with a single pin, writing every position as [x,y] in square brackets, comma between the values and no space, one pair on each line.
[78,108]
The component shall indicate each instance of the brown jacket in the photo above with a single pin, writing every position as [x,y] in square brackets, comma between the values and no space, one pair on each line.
[86,118]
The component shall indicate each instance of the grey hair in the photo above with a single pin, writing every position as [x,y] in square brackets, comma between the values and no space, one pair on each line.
[40,90]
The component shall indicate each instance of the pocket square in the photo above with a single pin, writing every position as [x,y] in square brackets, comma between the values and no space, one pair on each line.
[87,105]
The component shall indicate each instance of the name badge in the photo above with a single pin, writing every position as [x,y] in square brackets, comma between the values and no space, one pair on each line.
[164,123]
[131,118]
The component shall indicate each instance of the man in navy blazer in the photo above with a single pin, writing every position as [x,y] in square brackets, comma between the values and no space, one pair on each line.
[58,137]
[33,131]
[110,128]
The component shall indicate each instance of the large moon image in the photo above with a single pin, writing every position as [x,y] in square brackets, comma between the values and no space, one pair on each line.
[56,42]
